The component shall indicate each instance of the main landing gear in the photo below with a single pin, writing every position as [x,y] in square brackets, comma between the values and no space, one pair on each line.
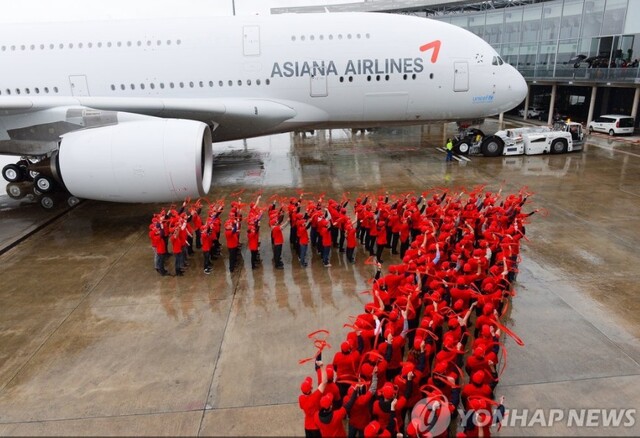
[28,179]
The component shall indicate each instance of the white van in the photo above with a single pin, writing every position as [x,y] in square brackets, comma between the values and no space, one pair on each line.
[612,124]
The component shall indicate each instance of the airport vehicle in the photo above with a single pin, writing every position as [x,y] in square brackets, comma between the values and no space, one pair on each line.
[127,110]
[613,124]
[563,137]
[532,113]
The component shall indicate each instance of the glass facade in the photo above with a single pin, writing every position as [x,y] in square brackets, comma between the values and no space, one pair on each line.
[563,39]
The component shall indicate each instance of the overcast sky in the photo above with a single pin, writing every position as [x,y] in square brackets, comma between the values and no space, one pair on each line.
[71,10]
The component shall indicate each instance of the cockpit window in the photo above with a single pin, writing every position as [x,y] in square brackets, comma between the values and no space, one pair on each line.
[497,61]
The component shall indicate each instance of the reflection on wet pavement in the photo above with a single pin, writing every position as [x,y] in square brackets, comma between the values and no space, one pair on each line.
[94,341]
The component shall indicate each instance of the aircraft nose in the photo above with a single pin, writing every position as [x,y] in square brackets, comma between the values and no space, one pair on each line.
[517,86]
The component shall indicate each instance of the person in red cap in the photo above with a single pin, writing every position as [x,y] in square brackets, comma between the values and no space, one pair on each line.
[253,242]
[381,239]
[205,245]
[480,417]
[160,249]
[277,240]
[360,414]
[345,363]
[325,236]
[309,401]
[350,232]
[477,387]
[303,241]
[178,254]
[329,420]
[387,407]
[392,348]
[231,232]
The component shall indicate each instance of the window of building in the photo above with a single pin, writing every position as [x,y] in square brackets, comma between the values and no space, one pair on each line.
[476,24]
[551,21]
[592,20]
[571,19]
[614,13]
[531,23]
[493,27]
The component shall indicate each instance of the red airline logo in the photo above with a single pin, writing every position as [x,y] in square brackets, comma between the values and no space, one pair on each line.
[435,45]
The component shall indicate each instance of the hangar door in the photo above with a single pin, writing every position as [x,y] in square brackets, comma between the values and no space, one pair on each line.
[460,76]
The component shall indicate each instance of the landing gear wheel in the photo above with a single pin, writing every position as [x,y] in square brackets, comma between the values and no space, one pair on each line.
[492,146]
[462,147]
[47,202]
[44,183]
[558,146]
[16,191]
[72,201]
[12,173]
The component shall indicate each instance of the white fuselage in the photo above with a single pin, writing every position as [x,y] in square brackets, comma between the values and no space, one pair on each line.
[332,69]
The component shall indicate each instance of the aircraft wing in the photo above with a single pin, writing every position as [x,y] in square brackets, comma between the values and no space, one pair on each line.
[216,110]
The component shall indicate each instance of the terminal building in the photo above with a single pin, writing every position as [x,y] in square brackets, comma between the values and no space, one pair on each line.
[579,57]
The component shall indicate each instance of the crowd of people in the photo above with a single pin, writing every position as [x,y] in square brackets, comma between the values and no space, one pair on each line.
[426,352]
[425,355]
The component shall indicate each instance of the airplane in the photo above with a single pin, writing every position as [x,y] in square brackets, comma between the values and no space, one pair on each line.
[127,110]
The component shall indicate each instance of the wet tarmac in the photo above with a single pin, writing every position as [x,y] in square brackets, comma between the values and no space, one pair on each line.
[94,342]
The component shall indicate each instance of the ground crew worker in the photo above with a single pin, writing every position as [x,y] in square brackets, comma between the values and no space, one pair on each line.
[449,148]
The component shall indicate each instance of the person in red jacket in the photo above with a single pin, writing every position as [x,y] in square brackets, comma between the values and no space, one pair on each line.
[325,236]
[160,248]
[309,401]
[302,235]
[385,408]
[392,350]
[329,420]
[345,363]
[277,239]
[351,242]
[381,239]
[360,414]
[176,245]
[253,241]
[476,387]
[231,231]
[205,245]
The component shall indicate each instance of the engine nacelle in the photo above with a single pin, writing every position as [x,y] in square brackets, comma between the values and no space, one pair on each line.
[157,160]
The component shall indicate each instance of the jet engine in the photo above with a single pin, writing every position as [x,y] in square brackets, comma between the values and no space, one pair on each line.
[154,160]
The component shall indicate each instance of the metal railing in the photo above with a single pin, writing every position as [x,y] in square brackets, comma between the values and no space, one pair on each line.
[614,75]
